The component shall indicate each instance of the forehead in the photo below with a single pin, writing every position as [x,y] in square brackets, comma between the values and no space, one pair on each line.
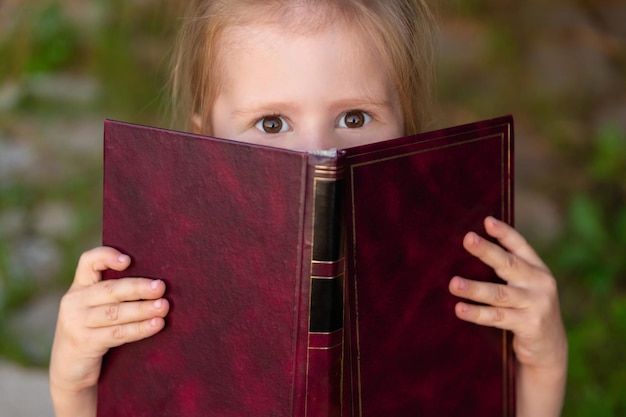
[337,55]
[250,35]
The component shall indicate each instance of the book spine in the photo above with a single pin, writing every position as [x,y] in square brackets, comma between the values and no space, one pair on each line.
[326,304]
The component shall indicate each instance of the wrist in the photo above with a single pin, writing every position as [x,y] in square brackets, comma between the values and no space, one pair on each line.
[541,389]
[74,403]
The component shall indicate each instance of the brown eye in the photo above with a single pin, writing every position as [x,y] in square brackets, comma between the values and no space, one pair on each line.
[272,124]
[354,119]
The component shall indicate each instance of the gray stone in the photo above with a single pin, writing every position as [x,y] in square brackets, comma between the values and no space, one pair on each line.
[77,137]
[37,257]
[55,219]
[33,326]
[16,160]
[9,95]
[13,223]
[24,392]
[63,88]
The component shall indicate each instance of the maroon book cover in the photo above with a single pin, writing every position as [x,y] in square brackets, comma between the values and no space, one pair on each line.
[307,284]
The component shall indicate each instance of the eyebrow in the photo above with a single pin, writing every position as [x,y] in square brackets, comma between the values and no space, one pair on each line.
[349,103]
[264,108]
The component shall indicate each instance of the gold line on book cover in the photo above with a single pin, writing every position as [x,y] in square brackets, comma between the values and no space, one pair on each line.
[448,145]
[506,215]
[506,207]
[327,347]
[505,379]
[328,262]
[333,277]
[509,172]
[435,139]
[336,331]
[328,173]
[329,169]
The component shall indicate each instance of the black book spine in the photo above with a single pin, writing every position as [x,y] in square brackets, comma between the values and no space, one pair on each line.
[325,348]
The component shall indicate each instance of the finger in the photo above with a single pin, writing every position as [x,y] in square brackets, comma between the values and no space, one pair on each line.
[93,262]
[500,317]
[497,295]
[122,290]
[507,266]
[513,241]
[113,336]
[125,313]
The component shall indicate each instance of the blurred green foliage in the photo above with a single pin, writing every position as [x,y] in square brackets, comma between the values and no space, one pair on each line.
[125,48]
[590,256]
[124,45]
[54,43]
[121,49]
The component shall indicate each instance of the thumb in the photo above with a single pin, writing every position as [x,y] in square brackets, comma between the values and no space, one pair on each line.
[93,262]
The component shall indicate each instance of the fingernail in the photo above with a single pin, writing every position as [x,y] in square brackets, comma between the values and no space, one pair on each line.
[461,284]
[462,307]
[494,222]
[155,284]
[474,238]
[123,258]
[154,322]
[157,304]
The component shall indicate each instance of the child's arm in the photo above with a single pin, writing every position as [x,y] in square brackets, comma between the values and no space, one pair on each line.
[94,316]
[528,306]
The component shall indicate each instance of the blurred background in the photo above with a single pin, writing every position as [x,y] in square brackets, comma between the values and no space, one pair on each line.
[559,67]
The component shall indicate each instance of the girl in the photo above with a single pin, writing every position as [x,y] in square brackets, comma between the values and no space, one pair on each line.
[309,75]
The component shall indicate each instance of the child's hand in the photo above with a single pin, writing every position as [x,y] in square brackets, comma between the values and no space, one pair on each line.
[528,306]
[94,316]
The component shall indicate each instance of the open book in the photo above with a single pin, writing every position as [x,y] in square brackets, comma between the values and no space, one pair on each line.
[307,284]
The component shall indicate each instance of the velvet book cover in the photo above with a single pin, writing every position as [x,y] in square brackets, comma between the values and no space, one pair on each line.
[307,284]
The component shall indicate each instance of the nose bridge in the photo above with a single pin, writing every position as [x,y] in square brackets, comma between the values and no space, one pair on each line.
[318,134]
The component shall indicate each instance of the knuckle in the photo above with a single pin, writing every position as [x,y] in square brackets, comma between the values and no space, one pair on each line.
[67,300]
[83,258]
[511,262]
[70,306]
[137,329]
[118,332]
[109,286]
[502,294]
[498,315]
[87,257]
[111,311]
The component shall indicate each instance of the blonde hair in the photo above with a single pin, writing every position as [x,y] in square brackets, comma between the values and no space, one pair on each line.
[399,31]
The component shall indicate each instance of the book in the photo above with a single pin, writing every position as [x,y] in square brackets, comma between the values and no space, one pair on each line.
[307,284]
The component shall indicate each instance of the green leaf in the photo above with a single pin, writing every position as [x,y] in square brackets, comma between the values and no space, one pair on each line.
[586,221]
[609,157]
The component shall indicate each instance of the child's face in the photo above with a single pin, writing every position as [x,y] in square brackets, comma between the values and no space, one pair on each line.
[321,90]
